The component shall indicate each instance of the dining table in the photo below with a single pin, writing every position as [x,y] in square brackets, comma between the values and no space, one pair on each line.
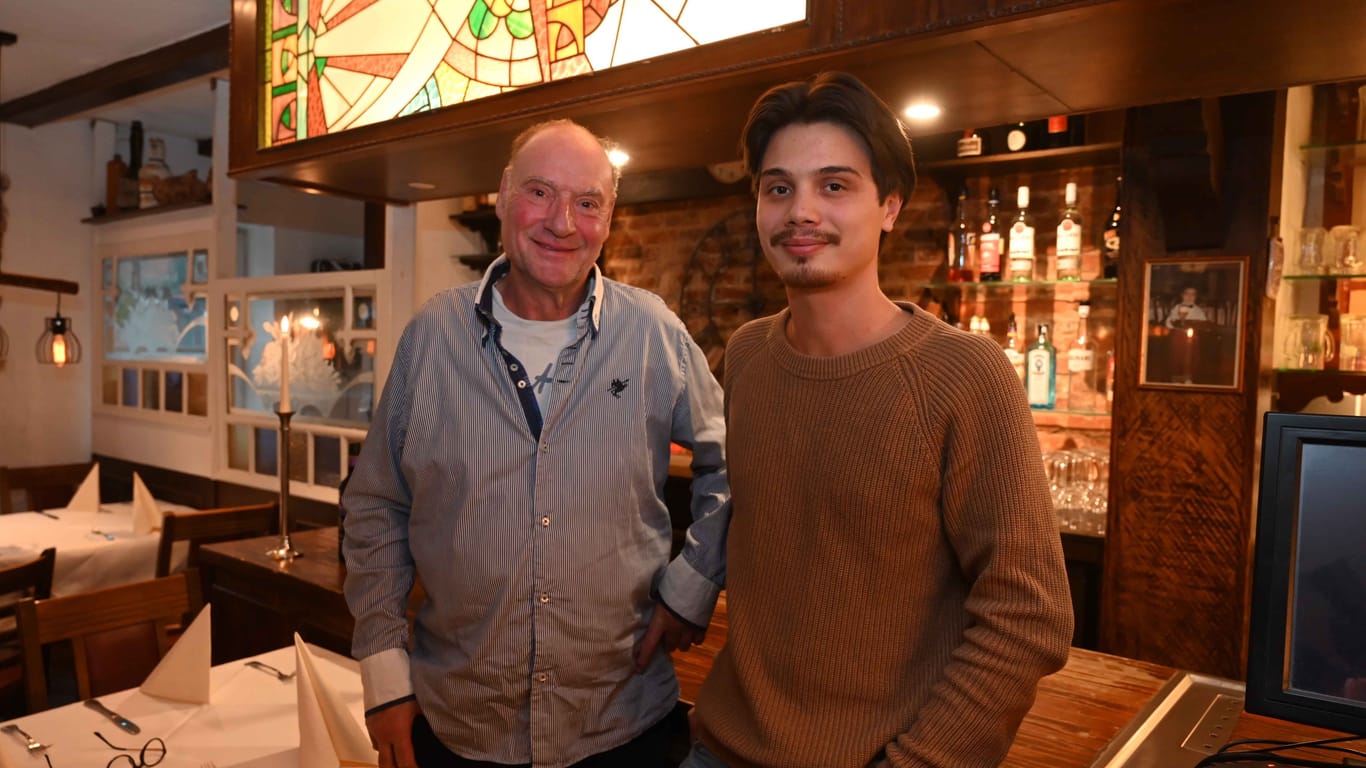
[95,548]
[251,719]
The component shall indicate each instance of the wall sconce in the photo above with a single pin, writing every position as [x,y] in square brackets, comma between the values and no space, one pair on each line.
[58,345]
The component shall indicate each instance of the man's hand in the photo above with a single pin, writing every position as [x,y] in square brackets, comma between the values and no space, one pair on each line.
[668,633]
[391,734]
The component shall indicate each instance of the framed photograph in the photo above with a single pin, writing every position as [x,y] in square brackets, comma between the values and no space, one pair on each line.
[1194,329]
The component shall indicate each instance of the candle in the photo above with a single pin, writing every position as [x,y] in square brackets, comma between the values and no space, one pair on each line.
[284,364]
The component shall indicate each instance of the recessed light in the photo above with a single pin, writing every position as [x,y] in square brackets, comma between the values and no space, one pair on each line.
[421,185]
[922,111]
[618,157]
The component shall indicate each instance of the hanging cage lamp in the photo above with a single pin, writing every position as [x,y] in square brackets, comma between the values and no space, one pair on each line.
[58,345]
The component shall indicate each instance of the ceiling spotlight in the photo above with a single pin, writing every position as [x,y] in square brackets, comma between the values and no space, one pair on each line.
[421,186]
[922,111]
[618,157]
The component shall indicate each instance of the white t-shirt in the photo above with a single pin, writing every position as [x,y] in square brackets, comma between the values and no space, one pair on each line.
[535,343]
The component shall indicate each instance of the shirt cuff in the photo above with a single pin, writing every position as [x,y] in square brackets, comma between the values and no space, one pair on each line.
[385,678]
[688,594]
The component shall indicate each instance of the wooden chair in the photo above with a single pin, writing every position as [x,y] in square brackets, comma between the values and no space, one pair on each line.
[26,580]
[117,635]
[210,525]
[45,487]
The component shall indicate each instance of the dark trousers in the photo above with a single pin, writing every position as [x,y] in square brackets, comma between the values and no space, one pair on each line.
[647,750]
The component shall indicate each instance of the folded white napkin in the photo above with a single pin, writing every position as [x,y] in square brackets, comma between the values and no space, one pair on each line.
[87,497]
[146,516]
[329,736]
[183,674]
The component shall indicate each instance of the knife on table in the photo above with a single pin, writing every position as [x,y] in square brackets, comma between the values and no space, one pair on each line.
[118,719]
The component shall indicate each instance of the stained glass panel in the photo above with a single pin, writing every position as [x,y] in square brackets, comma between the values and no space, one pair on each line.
[333,65]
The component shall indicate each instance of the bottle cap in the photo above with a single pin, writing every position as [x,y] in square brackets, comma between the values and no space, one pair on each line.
[1071,194]
[1022,197]
[1084,310]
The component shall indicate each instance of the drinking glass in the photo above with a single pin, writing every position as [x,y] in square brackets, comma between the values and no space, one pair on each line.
[1308,345]
[1344,248]
[1310,258]
[1352,348]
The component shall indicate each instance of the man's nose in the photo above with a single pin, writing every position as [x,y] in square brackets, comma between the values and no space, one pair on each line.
[801,207]
[561,216]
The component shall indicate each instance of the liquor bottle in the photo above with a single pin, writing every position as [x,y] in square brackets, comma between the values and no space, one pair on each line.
[1063,131]
[962,244]
[989,243]
[1110,237]
[152,172]
[1020,248]
[1069,236]
[1081,366]
[971,144]
[1110,381]
[1041,372]
[1012,349]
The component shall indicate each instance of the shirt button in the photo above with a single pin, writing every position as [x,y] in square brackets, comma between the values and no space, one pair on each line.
[512,367]
[545,597]
[545,521]
[545,447]
[521,384]
[541,678]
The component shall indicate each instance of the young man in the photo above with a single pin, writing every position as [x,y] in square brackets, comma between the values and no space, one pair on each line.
[895,584]
[516,464]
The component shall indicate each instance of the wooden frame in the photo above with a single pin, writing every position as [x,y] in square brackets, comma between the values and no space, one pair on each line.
[1194,324]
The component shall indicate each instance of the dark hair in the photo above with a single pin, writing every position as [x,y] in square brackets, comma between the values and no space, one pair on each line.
[841,99]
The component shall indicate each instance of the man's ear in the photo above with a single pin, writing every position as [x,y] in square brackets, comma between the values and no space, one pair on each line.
[499,206]
[891,209]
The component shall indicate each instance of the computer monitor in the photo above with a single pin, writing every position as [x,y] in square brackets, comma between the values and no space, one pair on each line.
[1307,650]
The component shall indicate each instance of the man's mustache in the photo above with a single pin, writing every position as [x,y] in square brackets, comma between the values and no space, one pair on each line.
[788,235]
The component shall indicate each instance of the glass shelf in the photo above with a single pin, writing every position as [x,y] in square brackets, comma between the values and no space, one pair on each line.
[1356,150]
[1324,277]
[1026,283]
[1070,419]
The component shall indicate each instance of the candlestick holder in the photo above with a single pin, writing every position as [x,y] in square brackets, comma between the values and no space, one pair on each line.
[285,551]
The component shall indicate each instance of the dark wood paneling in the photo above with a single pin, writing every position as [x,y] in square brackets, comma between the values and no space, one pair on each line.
[1181,484]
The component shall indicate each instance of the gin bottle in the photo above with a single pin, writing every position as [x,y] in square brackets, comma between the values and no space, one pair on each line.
[1041,372]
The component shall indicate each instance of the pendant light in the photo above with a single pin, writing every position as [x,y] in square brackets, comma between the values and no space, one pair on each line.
[58,345]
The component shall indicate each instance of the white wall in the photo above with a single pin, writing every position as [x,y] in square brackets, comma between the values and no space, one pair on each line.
[439,242]
[45,410]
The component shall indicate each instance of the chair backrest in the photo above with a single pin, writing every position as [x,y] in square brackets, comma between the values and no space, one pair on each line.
[45,487]
[117,634]
[210,525]
[32,579]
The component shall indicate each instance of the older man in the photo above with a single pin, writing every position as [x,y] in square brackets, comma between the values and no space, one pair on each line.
[516,465]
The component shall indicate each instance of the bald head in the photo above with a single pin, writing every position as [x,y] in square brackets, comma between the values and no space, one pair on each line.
[572,135]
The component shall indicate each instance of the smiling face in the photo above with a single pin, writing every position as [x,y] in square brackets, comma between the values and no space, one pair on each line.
[555,204]
[819,215]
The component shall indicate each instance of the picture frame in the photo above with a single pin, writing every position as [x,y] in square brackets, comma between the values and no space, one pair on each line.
[1193,326]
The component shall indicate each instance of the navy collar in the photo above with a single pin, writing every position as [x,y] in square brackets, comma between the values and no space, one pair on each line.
[590,311]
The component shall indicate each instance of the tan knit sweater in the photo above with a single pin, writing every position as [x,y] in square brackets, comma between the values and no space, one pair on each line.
[895,576]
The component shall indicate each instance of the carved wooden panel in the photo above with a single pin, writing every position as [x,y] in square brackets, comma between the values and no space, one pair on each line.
[1182,464]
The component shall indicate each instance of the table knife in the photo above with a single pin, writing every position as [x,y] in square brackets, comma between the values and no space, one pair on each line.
[118,719]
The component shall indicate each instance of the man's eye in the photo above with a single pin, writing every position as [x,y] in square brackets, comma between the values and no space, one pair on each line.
[834,186]
[589,205]
[778,189]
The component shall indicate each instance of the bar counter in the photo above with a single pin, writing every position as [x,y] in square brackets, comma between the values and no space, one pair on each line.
[1083,714]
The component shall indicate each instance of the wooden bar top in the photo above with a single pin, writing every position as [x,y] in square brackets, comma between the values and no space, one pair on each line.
[1078,711]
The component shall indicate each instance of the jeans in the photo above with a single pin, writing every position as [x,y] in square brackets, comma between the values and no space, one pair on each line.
[701,757]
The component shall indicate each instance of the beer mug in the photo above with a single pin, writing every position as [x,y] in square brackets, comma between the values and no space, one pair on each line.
[1308,345]
[1344,250]
[1353,344]
[1309,258]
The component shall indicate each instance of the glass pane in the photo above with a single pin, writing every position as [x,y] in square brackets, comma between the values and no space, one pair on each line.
[109,377]
[330,380]
[233,311]
[199,395]
[151,390]
[200,270]
[364,315]
[107,273]
[130,387]
[152,317]
[175,391]
[326,460]
[239,447]
[267,458]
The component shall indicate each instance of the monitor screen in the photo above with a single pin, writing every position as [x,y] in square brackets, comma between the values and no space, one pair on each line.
[1307,650]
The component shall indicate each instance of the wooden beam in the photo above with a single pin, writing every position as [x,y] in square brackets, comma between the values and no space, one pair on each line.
[39,283]
[187,59]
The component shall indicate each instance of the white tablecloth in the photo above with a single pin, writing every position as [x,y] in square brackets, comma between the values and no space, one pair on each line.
[251,719]
[87,560]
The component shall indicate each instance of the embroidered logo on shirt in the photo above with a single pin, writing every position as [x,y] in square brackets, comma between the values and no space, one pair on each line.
[619,386]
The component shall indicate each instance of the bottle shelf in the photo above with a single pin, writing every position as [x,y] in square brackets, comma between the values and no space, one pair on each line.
[1040,159]
[1070,419]
[1325,277]
[1355,151]
[137,213]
